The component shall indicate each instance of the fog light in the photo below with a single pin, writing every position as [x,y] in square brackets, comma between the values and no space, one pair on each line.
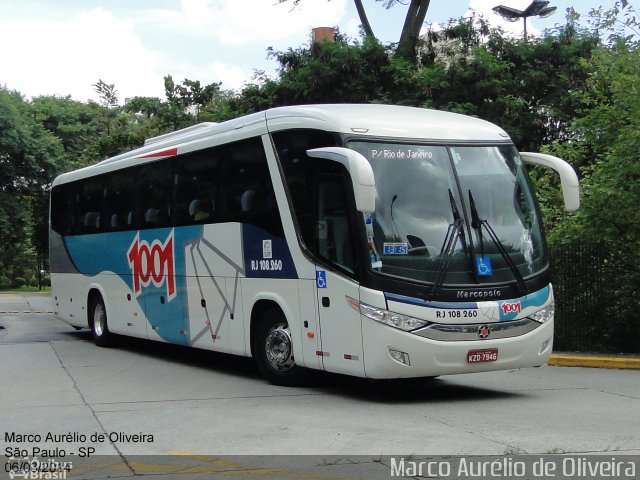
[401,357]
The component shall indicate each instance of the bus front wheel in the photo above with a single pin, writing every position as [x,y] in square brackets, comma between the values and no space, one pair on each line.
[99,326]
[273,350]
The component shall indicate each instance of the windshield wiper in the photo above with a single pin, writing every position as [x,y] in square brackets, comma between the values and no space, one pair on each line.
[454,232]
[477,224]
[395,227]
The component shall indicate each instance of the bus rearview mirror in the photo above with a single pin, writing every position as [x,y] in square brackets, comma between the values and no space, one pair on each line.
[360,171]
[568,177]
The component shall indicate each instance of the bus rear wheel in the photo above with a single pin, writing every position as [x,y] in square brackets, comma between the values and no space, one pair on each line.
[99,326]
[273,350]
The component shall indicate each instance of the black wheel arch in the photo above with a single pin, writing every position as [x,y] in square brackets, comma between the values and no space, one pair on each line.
[92,297]
[257,312]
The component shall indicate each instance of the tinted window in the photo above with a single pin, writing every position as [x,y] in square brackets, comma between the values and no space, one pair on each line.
[197,181]
[155,185]
[229,183]
[63,202]
[120,191]
[300,174]
[89,206]
[319,191]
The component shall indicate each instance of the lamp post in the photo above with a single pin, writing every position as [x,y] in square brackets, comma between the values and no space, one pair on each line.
[537,8]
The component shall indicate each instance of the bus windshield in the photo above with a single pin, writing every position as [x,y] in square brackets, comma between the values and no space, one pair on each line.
[455,215]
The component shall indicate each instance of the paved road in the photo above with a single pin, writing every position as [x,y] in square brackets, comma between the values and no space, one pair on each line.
[195,403]
[27,318]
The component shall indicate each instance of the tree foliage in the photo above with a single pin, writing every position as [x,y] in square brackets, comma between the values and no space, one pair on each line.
[107,92]
[407,45]
[30,156]
[607,143]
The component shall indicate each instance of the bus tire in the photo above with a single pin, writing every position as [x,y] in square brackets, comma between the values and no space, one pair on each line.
[102,337]
[273,350]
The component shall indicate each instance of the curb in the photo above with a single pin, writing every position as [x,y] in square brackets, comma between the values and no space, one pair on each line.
[593,362]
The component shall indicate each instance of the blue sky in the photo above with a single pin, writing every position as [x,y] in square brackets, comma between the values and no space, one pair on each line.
[62,47]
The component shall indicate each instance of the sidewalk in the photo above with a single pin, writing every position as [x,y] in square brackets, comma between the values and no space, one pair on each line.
[594,360]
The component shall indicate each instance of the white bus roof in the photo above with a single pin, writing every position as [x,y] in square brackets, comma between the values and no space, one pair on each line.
[387,121]
[370,120]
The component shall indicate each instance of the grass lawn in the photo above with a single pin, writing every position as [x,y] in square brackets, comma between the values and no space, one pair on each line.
[25,288]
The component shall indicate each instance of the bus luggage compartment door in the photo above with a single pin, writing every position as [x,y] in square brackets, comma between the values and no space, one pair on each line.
[166,317]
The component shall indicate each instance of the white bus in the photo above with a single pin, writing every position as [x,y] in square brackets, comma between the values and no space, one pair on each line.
[370,240]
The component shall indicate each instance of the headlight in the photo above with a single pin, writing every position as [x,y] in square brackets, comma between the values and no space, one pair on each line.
[393,319]
[545,314]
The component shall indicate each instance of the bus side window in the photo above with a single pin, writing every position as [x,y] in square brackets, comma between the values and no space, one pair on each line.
[195,184]
[333,239]
[155,193]
[119,191]
[63,209]
[89,206]
[250,189]
[201,210]
[300,175]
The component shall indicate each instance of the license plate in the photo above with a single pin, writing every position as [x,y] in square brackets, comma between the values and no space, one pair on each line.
[482,356]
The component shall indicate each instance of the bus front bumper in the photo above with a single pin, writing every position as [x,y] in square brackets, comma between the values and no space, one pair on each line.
[393,353]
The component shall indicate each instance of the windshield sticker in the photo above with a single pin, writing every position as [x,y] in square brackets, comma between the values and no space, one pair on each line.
[401,152]
[373,255]
[368,224]
[483,266]
[373,252]
[395,248]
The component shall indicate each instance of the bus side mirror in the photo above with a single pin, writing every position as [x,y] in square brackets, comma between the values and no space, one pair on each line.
[568,177]
[364,185]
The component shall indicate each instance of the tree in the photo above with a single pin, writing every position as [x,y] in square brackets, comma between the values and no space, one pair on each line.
[407,46]
[604,139]
[528,88]
[332,72]
[107,92]
[147,106]
[194,95]
[76,124]
[409,36]
[30,156]
[175,113]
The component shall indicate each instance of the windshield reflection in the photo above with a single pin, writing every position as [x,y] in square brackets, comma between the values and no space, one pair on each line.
[424,191]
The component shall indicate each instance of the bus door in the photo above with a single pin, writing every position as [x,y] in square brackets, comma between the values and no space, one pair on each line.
[209,311]
[340,324]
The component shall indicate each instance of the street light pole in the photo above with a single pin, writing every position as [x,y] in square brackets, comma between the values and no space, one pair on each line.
[537,8]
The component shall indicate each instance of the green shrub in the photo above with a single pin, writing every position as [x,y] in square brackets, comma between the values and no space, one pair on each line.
[19,282]
[5,282]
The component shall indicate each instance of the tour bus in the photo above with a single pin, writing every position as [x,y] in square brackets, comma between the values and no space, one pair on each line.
[370,240]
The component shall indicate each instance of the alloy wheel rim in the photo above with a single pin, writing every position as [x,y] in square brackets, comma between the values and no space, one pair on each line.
[279,348]
[98,320]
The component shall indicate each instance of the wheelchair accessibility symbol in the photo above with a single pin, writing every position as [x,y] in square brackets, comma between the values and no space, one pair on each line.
[321,279]
[483,266]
